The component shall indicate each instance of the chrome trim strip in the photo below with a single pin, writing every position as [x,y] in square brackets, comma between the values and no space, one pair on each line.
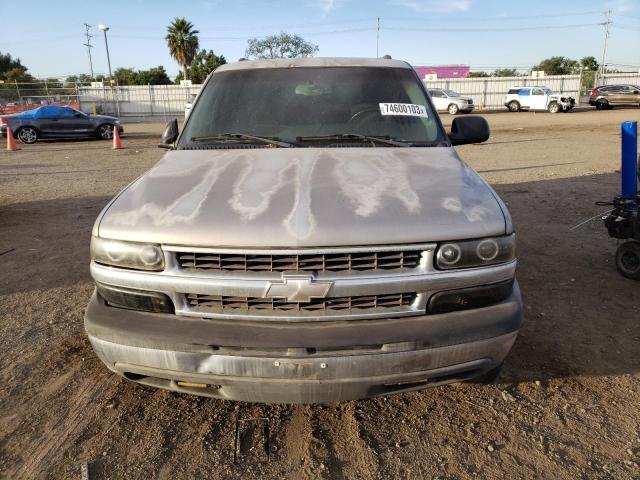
[302,251]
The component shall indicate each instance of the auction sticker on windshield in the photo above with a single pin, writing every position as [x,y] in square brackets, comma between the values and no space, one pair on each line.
[409,109]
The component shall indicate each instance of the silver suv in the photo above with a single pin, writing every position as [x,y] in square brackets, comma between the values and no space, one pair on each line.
[310,236]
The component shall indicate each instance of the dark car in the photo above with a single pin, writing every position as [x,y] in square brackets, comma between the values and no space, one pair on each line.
[58,122]
[606,96]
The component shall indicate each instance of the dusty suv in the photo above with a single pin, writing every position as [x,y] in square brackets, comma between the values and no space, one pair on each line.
[608,96]
[310,236]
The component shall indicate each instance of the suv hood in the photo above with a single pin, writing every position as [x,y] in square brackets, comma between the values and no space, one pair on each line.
[304,197]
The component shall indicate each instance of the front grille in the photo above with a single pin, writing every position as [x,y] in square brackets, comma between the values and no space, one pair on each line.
[224,303]
[308,262]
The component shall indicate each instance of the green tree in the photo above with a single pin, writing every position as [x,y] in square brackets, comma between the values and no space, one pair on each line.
[589,63]
[125,76]
[203,64]
[183,43]
[478,75]
[505,72]
[283,45]
[153,76]
[558,66]
[7,62]
[18,74]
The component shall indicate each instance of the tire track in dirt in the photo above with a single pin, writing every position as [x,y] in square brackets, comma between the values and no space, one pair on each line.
[67,427]
[298,436]
[347,455]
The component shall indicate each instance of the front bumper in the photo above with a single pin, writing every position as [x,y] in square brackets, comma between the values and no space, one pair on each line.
[313,362]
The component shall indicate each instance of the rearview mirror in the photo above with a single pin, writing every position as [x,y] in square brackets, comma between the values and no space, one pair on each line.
[170,135]
[469,129]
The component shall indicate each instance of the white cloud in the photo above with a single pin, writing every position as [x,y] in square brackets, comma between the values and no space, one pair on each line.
[621,6]
[327,6]
[440,6]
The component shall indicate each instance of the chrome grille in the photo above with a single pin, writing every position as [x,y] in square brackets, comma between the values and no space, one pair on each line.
[224,303]
[311,262]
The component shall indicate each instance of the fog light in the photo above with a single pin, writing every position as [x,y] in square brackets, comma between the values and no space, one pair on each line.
[131,299]
[468,298]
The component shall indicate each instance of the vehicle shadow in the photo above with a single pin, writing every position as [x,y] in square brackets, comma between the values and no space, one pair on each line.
[581,315]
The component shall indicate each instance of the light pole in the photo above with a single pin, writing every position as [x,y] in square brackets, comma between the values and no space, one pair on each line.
[104,29]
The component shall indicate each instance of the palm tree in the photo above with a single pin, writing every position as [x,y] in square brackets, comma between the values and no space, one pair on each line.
[183,43]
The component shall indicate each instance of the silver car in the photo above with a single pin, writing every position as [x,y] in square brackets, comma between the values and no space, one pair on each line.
[310,236]
[446,100]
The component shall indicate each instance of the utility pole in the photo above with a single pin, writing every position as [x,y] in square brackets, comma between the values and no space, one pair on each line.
[89,47]
[378,39]
[606,26]
[105,29]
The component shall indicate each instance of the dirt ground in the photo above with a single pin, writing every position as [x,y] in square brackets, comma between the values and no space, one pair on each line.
[566,405]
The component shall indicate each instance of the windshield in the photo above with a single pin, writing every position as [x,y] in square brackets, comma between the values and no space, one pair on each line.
[294,104]
[451,93]
[548,91]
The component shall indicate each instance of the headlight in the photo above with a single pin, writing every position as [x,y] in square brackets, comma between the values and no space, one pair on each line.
[475,253]
[138,256]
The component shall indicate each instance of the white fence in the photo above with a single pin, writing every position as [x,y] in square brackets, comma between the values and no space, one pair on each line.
[489,92]
[137,100]
[614,78]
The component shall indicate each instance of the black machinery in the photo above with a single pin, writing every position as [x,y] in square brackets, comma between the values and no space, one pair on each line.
[623,222]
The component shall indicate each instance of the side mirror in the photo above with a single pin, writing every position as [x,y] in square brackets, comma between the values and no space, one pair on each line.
[469,129]
[170,135]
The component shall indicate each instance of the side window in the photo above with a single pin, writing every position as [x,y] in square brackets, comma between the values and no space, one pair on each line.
[44,112]
[525,92]
[538,91]
[514,91]
[436,93]
[66,112]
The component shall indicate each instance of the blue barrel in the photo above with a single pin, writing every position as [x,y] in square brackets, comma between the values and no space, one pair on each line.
[629,160]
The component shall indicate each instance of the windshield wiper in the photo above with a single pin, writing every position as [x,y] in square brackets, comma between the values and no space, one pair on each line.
[354,136]
[241,136]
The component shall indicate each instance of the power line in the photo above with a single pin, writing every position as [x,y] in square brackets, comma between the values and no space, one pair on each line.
[89,46]
[496,29]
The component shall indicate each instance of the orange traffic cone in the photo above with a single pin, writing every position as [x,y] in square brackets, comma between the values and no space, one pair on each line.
[11,142]
[117,143]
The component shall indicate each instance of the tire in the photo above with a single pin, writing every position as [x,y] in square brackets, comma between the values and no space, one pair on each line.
[602,105]
[488,378]
[28,135]
[453,109]
[554,107]
[628,259]
[513,106]
[105,131]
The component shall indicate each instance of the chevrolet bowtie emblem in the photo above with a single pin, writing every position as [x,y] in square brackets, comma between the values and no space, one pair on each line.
[298,288]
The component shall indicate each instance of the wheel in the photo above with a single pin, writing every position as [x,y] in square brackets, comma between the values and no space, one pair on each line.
[105,132]
[28,135]
[554,107]
[628,259]
[453,109]
[602,105]
[514,106]
[489,377]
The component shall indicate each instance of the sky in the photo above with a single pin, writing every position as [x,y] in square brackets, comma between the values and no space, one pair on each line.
[485,34]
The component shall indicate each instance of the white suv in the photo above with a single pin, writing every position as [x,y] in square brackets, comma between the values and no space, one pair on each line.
[449,101]
[537,98]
